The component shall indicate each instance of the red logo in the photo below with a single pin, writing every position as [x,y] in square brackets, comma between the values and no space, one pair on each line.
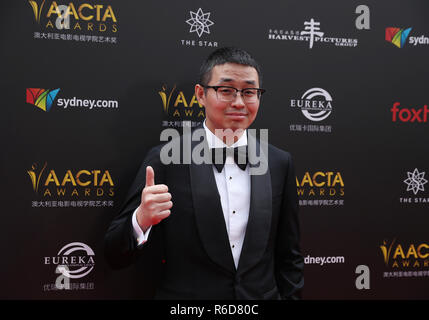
[409,114]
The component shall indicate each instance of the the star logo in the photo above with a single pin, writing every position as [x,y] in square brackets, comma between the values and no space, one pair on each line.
[415,181]
[200,22]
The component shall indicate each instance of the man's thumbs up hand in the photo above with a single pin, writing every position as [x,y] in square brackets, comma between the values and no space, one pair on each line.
[150,177]
[155,202]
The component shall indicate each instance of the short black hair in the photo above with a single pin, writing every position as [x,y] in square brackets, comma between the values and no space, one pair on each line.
[227,55]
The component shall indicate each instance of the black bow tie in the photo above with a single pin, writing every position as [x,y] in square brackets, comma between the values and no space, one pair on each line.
[240,157]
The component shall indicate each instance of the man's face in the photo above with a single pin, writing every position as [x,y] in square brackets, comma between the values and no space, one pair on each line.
[229,115]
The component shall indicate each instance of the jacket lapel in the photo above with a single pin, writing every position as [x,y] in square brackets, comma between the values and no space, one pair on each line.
[208,213]
[259,223]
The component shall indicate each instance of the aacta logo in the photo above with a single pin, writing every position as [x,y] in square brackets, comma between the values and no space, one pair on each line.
[321,183]
[182,107]
[79,183]
[409,114]
[405,256]
[397,36]
[41,98]
[90,17]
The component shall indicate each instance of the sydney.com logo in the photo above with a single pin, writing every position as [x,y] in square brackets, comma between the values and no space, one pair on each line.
[44,99]
[399,37]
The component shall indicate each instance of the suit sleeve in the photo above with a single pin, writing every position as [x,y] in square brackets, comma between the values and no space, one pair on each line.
[120,244]
[289,260]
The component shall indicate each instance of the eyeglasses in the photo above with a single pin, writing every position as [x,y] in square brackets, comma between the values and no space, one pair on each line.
[229,94]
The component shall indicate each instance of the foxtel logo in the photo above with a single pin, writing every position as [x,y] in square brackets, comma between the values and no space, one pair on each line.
[409,114]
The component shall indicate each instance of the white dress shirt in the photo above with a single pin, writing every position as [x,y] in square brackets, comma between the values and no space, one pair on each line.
[233,185]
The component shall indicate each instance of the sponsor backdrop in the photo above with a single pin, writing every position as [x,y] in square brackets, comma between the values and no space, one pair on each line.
[88,86]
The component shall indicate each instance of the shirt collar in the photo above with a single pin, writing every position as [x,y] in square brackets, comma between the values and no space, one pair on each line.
[215,142]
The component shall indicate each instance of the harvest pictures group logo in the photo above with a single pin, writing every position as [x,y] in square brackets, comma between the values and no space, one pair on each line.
[83,22]
[312,34]
[71,188]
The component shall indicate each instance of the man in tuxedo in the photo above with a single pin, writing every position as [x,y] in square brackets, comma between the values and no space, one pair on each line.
[216,230]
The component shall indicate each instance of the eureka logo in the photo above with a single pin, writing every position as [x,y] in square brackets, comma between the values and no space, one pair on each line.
[41,98]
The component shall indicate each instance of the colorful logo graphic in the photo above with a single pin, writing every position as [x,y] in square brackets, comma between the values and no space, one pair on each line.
[397,36]
[41,98]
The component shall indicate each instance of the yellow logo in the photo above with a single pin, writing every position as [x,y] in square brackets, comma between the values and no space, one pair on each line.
[165,99]
[386,251]
[320,183]
[35,179]
[85,12]
[86,16]
[36,10]
[405,256]
[181,107]
[81,183]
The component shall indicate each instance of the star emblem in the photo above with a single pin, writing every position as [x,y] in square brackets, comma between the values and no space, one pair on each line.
[415,181]
[200,22]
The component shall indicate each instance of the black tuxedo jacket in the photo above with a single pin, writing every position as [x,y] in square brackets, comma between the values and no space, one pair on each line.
[191,249]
